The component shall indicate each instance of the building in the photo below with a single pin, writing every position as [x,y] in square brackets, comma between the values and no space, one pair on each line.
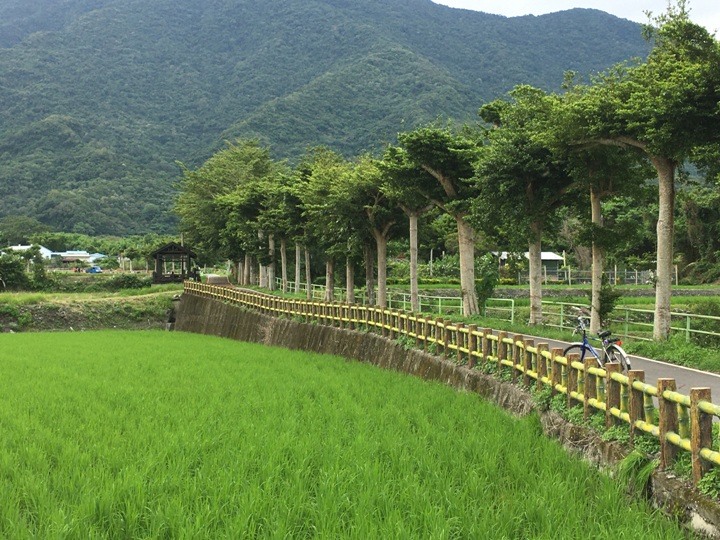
[45,252]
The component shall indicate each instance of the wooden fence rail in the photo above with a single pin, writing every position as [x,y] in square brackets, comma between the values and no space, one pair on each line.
[680,423]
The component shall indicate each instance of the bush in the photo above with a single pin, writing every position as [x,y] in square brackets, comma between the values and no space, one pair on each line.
[706,307]
[12,273]
[487,277]
[608,298]
[126,281]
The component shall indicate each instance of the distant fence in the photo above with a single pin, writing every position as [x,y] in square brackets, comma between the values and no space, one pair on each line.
[635,323]
[680,423]
[570,276]
[631,323]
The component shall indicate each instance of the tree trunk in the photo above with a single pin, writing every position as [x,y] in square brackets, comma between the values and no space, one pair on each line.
[329,280]
[381,246]
[283,264]
[414,292]
[369,274]
[466,244]
[308,276]
[535,254]
[247,269]
[271,265]
[665,232]
[262,269]
[350,281]
[297,267]
[240,272]
[253,277]
[598,263]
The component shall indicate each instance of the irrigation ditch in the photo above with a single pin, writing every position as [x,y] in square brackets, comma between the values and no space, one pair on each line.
[198,314]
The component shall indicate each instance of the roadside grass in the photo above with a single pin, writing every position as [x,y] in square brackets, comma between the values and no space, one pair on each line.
[31,298]
[170,435]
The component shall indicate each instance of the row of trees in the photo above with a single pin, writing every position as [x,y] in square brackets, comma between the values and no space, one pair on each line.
[534,156]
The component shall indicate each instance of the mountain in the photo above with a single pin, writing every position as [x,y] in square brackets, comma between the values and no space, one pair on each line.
[99,99]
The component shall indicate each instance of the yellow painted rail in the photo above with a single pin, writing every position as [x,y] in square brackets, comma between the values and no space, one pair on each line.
[679,422]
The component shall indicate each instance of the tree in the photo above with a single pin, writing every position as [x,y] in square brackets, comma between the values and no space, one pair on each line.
[602,171]
[401,178]
[366,190]
[332,219]
[220,202]
[448,159]
[521,179]
[18,229]
[666,108]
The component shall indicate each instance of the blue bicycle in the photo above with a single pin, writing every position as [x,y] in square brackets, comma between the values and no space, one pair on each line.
[611,349]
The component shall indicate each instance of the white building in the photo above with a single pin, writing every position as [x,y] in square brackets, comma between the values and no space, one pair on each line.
[45,252]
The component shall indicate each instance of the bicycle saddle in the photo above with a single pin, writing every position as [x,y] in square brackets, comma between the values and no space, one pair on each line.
[604,333]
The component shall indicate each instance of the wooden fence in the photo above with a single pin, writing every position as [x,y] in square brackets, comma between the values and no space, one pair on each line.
[680,423]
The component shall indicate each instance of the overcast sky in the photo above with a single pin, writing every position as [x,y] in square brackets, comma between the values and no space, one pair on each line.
[705,12]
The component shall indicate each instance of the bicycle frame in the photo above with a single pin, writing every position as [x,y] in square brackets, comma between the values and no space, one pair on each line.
[586,346]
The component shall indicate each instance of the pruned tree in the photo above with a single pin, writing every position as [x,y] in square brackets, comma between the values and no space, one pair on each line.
[665,108]
[448,158]
[522,180]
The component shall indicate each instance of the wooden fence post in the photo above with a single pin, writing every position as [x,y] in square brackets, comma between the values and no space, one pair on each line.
[573,378]
[668,422]
[527,361]
[517,350]
[556,373]
[426,333]
[701,432]
[447,338]
[472,346]
[541,364]
[574,382]
[590,385]
[459,342]
[612,399]
[501,350]
[486,346]
[636,400]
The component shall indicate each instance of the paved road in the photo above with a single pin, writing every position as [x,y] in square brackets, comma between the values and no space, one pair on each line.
[685,378]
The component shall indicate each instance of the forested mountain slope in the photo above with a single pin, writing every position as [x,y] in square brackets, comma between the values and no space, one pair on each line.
[100,98]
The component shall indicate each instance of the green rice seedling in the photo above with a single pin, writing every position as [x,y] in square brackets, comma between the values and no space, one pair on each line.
[171,435]
[636,469]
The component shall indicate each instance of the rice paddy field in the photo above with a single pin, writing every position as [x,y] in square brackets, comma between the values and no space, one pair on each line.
[169,435]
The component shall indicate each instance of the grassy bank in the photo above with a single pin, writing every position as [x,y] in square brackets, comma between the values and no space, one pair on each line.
[130,309]
[153,434]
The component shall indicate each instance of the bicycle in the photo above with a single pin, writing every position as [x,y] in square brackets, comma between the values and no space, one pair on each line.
[612,351]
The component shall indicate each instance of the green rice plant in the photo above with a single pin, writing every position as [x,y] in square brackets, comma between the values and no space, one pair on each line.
[171,435]
[635,471]
[682,466]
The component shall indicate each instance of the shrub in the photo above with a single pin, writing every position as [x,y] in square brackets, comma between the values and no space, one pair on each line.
[706,307]
[487,277]
[12,273]
[126,281]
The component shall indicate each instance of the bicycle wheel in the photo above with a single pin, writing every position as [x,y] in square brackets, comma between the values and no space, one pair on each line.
[582,350]
[616,354]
